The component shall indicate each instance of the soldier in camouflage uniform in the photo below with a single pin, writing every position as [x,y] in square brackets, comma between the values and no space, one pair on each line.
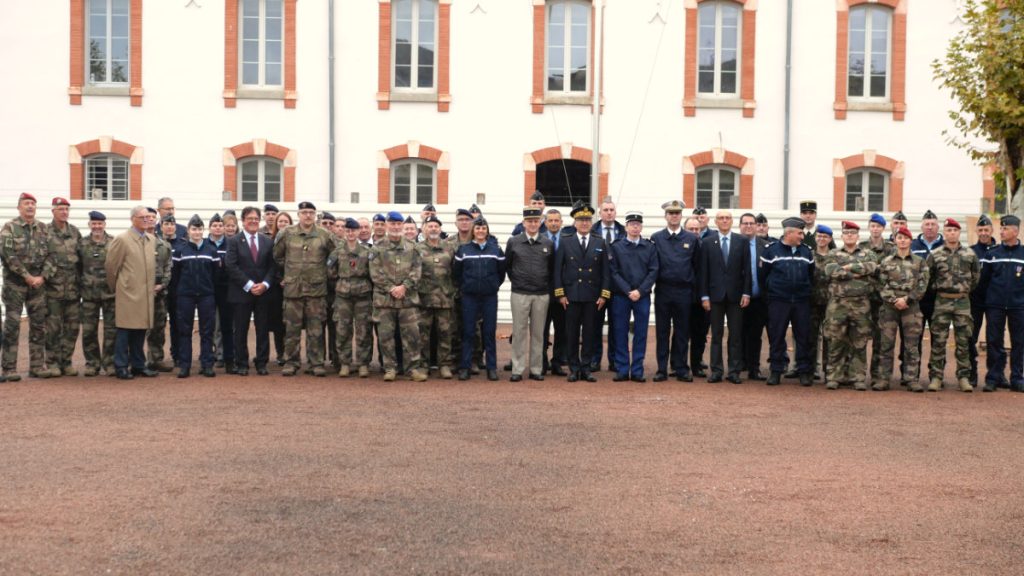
[955,270]
[902,282]
[96,298]
[23,250]
[301,252]
[156,337]
[395,271]
[819,297]
[882,248]
[349,266]
[852,274]
[437,294]
[63,299]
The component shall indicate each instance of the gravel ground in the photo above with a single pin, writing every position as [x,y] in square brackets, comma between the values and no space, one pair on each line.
[310,475]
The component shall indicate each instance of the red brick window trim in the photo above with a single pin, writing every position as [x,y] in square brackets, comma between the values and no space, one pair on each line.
[869,159]
[412,149]
[718,157]
[259,148]
[386,91]
[79,153]
[79,55]
[539,95]
[897,61]
[564,152]
[747,48]
[233,89]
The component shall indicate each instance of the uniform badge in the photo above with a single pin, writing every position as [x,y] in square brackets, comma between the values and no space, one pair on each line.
[1018,271]
[545,250]
[686,246]
[352,263]
[398,260]
[437,260]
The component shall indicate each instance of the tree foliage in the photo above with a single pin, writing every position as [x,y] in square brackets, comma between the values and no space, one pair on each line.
[984,69]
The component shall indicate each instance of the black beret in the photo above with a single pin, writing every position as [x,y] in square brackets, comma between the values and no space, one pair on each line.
[328,216]
[433,218]
[270,208]
[463,212]
[95,215]
[352,224]
[306,206]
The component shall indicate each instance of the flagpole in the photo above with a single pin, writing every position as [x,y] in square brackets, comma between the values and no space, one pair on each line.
[595,167]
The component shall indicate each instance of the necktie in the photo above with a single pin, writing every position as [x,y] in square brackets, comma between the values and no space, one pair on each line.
[725,248]
[608,235]
[583,243]
[672,236]
[252,247]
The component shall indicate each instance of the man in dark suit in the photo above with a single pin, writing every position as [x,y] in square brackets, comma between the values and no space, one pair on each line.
[725,292]
[611,231]
[556,314]
[251,269]
[755,316]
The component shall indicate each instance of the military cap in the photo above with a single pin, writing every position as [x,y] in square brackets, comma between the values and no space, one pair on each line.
[822,229]
[26,196]
[850,225]
[96,215]
[984,220]
[270,208]
[929,215]
[905,232]
[951,223]
[395,216]
[378,217]
[229,212]
[151,210]
[1009,220]
[352,224]
[195,221]
[673,206]
[168,218]
[463,212]
[699,211]
[58,201]
[899,216]
[409,220]
[328,216]
[216,218]
[480,221]
[634,217]
[531,212]
[537,196]
[307,205]
[877,219]
[760,218]
[474,209]
[793,222]
[433,218]
[583,212]
[429,208]
[808,206]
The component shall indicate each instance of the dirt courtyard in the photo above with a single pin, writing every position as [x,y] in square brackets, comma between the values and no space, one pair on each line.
[268,475]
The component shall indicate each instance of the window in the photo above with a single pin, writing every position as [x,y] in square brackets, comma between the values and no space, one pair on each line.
[869,48]
[412,182]
[107,30]
[563,182]
[106,177]
[262,42]
[717,188]
[867,190]
[568,41]
[415,33]
[718,48]
[259,180]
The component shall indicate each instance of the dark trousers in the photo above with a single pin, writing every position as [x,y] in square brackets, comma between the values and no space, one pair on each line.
[331,332]
[622,309]
[755,319]
[484,309]
[780,315]
[556,319]
[257,310]
[720,311]
[172,323]
[598,340]
[187,306]
[580,315]
[275,318]
[700,322]
[226,315]
[978,315]
[128,349]
[927,308]
[997,319]
[672,318]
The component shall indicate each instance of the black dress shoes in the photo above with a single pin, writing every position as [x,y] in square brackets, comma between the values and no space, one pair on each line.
[774,379]
[700,373]
[537,377]
[734,378]
[492,375]
[124,374]
[620,378]
[573,376]
[588,377]
[684,377]
[262,370]
[639,379]
[714,377]
[806,380]
[516,378]
[208,372]
[508,367]
[183,373]
[558,371]
[595,366]
[464,374]
[147,373]
[755,375]
[660,377]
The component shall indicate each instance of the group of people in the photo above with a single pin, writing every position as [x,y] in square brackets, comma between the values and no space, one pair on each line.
[431,297]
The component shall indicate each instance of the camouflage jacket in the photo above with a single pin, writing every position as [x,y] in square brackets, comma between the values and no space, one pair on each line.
[62,268]
[93,256]
[302,257]
[391,264]
[819,295]
[23,250]
[953,271]
[887,248]
[851,274]
[900,277]
[163,263]
[350,268]
[436,286]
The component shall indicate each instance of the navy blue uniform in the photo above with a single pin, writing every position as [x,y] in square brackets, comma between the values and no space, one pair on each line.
[582,277]
[978,310]
[787,276]
[634,266]
[479,273]
[195,273]
[1002,271]
[674,296]
[617,232]
[225,311]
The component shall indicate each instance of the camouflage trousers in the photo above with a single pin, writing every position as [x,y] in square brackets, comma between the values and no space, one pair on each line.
[892,322]
[955,311]
[818,340]
[848,328]
[90,333]
[63,321]
[15,299]
[876,335]
[444,320]
[352,318]
[407,321]
[156,337]
[305,313]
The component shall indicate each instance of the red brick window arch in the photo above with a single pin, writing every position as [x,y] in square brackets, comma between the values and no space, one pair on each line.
[259,171]
[411,172]
[870,75]
[877,180]
[717,175]
[568,153]
[720,39]
[105,169]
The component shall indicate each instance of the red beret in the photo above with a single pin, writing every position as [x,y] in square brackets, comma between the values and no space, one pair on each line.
[950,223]
[26,196]
[905,231]
[848,225]
[58,201]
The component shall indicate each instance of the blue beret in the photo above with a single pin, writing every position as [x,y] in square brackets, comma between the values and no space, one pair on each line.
[378,217]
[352,224]
[877,219]
[463,212]
[822,229]
[94,215]
[395,216]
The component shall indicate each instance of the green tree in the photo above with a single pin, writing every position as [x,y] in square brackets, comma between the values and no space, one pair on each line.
[984,70]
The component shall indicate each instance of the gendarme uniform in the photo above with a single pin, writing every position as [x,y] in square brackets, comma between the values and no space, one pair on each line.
[353,305]
[63,299]
[437,300]
[978,299]
[156,337]
[1003,273]
[396,262]
[23,249]
[954,274]
[851,275]
[900,277]
[97,298]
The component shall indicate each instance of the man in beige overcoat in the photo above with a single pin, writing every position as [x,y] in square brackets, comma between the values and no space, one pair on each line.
[131,275]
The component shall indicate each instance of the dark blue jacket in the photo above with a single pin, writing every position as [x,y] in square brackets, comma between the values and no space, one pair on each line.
[633,266]
[222,252]
[195,268]
[786,273]
[479,271]
[919,247]
[981,251]
[677,258]
[1002,271]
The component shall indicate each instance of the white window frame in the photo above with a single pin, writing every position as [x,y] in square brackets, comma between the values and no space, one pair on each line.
[865,95]
[716,191]
[566,41]
[108,194]
[262,43]
[865,174]
[109,39]
[414,42]
[261,178]
[717,92]
[414,164]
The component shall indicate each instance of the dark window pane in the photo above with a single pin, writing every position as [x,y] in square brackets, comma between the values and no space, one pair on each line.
[706,81]
[878,86]
[728,82]
[563,182]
